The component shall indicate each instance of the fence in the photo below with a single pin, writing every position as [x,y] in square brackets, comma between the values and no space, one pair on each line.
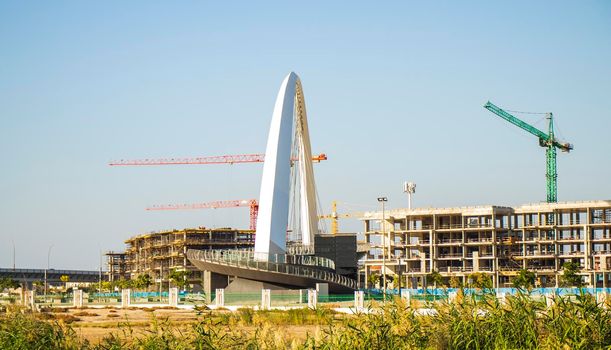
[296,298]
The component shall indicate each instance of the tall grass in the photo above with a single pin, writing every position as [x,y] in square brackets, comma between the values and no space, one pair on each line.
[482,322]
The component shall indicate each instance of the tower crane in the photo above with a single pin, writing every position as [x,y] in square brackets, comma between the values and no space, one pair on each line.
[549,141]
[227,159]
[251,203]
[335,216]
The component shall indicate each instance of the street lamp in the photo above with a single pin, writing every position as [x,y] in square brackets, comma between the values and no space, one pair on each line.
[48,258]
[383,200]
[13,254]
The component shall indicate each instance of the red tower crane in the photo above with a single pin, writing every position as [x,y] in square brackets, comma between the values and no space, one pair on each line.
[251,203]
[229,159]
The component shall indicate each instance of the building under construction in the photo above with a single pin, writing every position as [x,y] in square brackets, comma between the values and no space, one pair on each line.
[158,253]
[494,240]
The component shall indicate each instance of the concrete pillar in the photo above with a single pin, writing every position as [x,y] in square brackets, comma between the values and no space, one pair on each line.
[312,298]
[266,299]
[423,262]
[452,297]
[601,298]
[126,297]
[549,299]
[359,300]
[302,295]
[29,299]
[219,299]
[211,281]
[475,261]
[173,297]
[406,295]
[322,289]
[77,298]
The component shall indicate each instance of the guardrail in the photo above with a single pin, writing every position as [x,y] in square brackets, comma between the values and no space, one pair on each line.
[280,263]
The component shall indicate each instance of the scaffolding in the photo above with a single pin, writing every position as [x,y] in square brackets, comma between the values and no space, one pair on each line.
[161,252]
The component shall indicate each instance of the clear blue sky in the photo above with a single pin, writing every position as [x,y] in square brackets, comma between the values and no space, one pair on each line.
[394,92]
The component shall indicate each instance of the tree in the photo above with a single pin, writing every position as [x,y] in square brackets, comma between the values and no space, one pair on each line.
[480,280]
[524,280]
[107,286]
[179,277]
[38,285]
[123,283]
[435,278]
[65,279]
[8,283]
[143,281]
[570,277]
[396,281]
[373,279]
[455,282]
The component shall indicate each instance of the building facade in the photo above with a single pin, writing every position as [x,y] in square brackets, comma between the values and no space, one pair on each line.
[494,240]
[159,253]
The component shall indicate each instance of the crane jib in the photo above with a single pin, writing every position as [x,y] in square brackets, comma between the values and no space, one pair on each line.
[546,140]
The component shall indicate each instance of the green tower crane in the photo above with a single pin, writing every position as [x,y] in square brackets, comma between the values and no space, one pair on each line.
[548,141]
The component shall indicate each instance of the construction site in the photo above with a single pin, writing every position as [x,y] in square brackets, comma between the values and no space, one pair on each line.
[158,253]
[494,240]
[407,244]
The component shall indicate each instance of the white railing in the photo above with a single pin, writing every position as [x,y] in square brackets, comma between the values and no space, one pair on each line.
[246,259]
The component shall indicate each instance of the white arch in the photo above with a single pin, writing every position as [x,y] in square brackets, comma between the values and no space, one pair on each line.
[272,220]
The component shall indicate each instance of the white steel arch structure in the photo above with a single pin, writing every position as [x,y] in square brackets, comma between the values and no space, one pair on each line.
[273,216]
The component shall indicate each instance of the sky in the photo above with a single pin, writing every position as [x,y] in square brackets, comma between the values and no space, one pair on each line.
[394,92]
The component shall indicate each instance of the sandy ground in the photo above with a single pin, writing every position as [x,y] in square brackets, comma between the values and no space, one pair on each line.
[95,324]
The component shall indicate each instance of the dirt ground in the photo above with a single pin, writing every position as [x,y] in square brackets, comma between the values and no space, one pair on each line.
[95,324]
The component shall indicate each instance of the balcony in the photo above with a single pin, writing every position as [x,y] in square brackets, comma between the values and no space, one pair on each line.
[475,240]
[455,256]
[449,241]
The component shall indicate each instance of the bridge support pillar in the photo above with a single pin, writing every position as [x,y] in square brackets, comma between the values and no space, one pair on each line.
[173,297]
[77,298]
[322,289]
[126,297]
[266,299]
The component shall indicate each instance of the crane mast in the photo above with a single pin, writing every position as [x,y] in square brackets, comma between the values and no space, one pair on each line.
[548,141]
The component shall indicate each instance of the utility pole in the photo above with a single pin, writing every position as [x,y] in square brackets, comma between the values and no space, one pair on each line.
[13,254]
[48,259]
[383,200]
[100,276]
[409,188]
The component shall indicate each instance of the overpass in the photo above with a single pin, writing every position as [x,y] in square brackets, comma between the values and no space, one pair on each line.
[53,276]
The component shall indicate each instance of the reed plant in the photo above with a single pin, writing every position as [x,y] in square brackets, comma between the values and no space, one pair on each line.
[481,321]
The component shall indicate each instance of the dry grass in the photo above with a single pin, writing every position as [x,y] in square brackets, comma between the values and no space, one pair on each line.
[520,323]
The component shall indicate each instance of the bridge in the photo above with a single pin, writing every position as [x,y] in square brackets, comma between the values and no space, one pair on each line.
[53,276]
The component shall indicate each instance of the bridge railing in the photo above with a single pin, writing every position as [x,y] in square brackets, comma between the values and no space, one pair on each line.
[247,260]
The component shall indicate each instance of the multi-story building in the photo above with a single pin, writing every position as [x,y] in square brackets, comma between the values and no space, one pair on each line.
[116,263]
[158,253]
[494,240]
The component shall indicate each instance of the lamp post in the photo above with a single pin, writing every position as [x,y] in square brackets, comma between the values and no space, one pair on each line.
[13,254]
[383,200]
[48,259]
